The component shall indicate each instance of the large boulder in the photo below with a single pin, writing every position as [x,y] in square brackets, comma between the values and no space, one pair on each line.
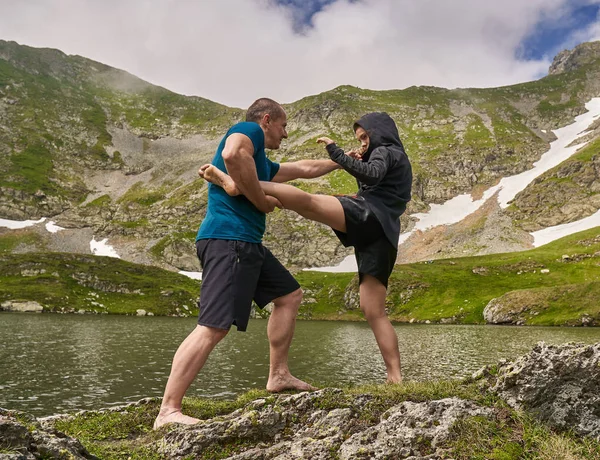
[22,306]
[560,385]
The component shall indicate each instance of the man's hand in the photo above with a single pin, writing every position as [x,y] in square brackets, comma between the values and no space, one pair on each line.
[324,140]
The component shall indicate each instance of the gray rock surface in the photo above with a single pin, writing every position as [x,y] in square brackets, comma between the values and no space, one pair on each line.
[22,306]
[22,437]
[560,385]
[297,427]
[410,429]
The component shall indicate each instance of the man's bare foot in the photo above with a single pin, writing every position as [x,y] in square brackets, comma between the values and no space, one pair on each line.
[287,382]
[174,417]
[215,176]
[393,380]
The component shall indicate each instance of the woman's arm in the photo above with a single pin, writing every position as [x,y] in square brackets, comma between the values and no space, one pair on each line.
[369,173]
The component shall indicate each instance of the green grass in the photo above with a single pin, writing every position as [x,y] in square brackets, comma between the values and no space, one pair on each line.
[183,237]
[100,202]
[31,170]
[457,288]
[68,282]
[143,196]
[11,240]
[477,134]
[450,288]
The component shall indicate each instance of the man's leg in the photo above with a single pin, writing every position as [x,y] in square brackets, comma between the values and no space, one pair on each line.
[189,359]
[321,208]
[372,303]
[280,331]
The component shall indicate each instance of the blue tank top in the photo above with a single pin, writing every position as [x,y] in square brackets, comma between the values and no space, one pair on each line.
[236,218]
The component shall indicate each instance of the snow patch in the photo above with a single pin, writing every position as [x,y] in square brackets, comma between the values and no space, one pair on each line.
[102,248]
[193,275]
[16,224]
[52,227]
[550,234]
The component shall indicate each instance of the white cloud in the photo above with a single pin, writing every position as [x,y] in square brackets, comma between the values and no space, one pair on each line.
[588,34]
[233,51]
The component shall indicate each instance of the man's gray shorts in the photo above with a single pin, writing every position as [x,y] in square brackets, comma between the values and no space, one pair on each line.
[234,273]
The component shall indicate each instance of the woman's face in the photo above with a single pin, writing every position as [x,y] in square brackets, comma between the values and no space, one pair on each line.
[363,138]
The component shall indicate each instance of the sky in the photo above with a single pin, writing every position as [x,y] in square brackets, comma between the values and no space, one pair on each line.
[235,51]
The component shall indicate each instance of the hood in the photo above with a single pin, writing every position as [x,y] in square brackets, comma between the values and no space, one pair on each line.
[381,129]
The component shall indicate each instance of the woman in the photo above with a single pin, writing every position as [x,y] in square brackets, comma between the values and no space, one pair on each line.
[368,221]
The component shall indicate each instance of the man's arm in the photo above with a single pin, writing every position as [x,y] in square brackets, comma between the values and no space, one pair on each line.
[238,155]
[304,169]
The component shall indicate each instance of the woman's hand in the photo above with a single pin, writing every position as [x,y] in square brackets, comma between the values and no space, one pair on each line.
[324,140]
[355,153]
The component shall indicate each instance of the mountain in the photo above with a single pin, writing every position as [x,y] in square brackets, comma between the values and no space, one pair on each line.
[107,155]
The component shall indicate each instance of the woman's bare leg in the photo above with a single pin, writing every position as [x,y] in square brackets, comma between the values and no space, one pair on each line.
[372,303]
[321,208]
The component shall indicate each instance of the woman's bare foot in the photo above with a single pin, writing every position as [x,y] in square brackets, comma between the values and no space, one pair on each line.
[215,176]
[174,417]
[393,380]
[287,382]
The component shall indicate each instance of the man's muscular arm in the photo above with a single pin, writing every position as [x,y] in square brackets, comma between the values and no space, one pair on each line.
[238,155]
[304,169]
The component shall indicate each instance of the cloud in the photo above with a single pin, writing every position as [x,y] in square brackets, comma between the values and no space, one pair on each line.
[234,51]
[586,34]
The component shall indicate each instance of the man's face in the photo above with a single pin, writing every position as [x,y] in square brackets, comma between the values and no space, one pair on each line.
[363,138]
[275,131]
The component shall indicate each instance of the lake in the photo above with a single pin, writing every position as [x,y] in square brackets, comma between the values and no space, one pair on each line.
[51,363]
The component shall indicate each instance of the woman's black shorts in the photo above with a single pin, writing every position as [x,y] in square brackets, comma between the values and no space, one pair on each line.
[375,255]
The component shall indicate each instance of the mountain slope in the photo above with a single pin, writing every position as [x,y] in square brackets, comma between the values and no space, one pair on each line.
[97,148]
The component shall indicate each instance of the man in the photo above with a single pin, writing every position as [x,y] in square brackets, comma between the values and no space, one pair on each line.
[237,268]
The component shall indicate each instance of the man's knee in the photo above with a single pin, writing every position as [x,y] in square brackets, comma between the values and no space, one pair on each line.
[211,334]
[292,300]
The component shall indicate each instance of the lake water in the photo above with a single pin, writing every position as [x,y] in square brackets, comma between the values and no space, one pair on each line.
[52,363]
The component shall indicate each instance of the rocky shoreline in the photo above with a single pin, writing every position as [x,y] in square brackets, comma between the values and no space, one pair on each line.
[529,405]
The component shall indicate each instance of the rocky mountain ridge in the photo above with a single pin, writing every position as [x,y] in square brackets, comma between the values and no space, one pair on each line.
[100,150]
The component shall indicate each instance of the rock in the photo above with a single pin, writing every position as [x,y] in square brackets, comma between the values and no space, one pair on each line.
[140,312]
[182,254]
[560,385]
[295,427]
[352,295]
[22,306]
[568,60]
[407,427]
[26,438]
[502,310]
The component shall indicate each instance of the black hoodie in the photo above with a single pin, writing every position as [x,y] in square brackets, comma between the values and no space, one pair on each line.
[384,174]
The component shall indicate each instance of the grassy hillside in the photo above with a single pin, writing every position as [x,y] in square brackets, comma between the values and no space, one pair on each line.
[556,284]
[458,290]
[70,282]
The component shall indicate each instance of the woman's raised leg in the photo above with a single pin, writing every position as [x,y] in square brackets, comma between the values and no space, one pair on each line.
[321,208]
